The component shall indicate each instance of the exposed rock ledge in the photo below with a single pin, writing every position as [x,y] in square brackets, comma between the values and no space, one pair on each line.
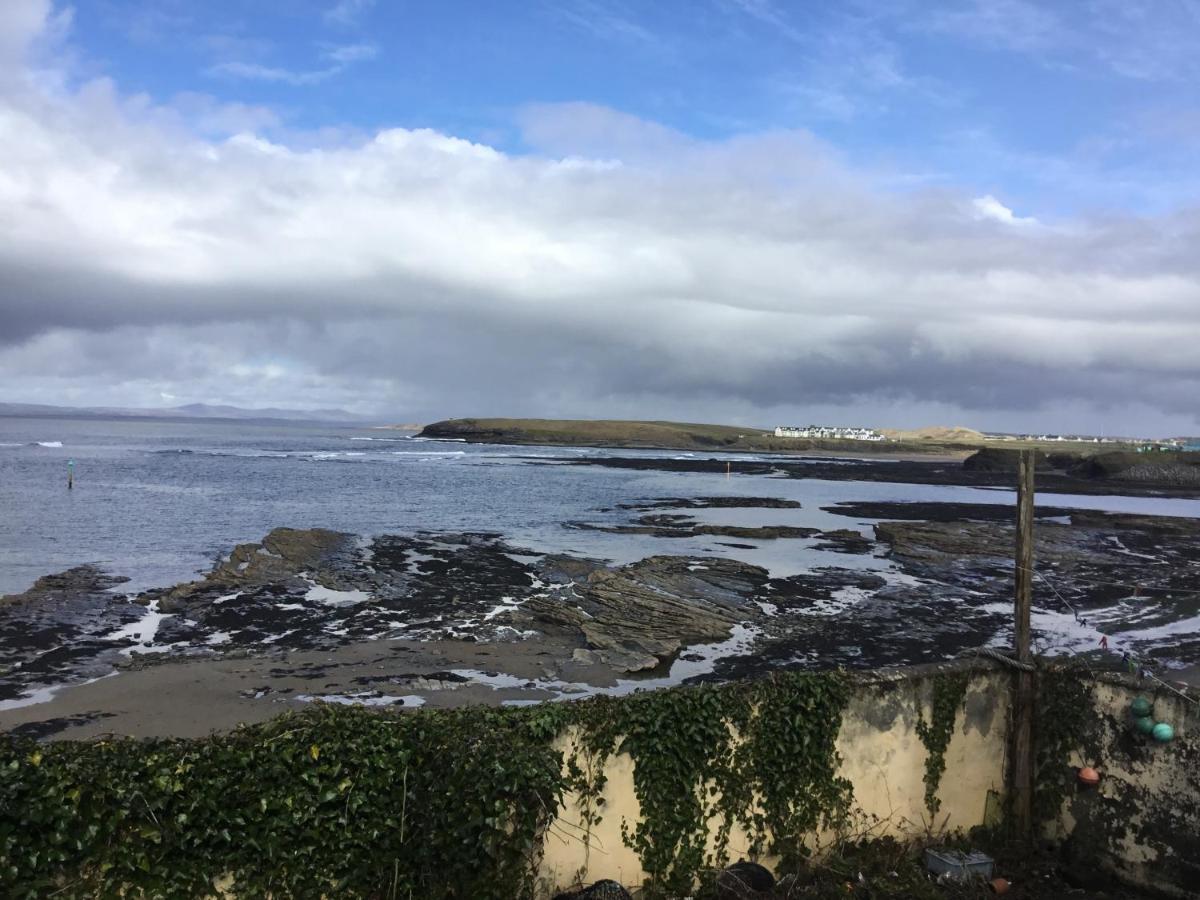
[638,616]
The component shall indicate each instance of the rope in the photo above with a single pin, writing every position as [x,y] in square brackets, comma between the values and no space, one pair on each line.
[1137,666]
[1174,690]
[1137,589]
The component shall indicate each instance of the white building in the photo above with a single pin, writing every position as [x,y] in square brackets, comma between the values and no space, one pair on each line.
[828,431]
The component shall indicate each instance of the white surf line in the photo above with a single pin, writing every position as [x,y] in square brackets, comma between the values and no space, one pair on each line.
[46,694]
[896,578]
[1121,548]
[507,604]
[21,663]
[515,633]
[142,631]
[1170,629]
[413,559]
[329,597]
[428,454]
[838,602]
[1120,623]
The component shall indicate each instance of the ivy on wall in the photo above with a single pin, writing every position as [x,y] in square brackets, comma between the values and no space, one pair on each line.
[758,754]
[949,691]
[1062,719]
[351,802]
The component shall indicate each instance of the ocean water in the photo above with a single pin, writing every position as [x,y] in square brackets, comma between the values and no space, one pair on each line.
[159,501]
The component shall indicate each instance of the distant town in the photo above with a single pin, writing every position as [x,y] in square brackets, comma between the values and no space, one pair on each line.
[828,431]
[1141,443]
[856,433]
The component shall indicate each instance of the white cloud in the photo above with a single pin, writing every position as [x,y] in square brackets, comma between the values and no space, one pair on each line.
[622,266]
[1014,24]
[348,12]
[988,207]
[604,20]
[769,14]
[338,56]
[259,72]
[344,54]
[21,22]
[1139,39]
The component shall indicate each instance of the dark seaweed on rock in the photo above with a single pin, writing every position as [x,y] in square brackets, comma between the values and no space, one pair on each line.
[679,526]
[712,503]
[844,540]
[917,511]
[1181,469]
[1158,468]
[317,589]
[59,629]
[1060,476]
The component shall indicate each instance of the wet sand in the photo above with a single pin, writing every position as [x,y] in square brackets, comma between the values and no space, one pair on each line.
[196,698]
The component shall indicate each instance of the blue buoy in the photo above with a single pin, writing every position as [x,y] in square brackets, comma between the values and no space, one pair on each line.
[1144,724]
[1140,707]
[1163,732]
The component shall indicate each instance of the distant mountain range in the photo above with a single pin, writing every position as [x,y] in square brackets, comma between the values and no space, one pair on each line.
[189,411]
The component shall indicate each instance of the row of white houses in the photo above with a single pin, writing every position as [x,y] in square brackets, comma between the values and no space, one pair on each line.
[828,431]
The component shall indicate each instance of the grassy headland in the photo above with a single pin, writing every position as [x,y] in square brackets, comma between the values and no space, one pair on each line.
[667,436]
[1081,460]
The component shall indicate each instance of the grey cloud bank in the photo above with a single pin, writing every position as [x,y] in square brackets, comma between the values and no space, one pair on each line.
[619,268]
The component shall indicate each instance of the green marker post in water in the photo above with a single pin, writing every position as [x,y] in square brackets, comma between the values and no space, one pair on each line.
[70,474]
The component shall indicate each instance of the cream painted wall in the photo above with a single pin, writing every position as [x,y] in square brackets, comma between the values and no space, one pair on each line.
[1142,822]
[881,756]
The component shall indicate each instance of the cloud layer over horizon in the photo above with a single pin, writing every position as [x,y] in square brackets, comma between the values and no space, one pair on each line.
[619,267]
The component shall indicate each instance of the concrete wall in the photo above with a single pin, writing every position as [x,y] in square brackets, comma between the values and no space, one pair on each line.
[881,755]
[1142,822]
[1141,825]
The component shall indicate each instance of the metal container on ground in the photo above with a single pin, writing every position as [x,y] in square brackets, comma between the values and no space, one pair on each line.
[957,865]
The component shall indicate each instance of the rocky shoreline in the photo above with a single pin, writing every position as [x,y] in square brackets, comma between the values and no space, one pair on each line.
[448,618]
[1064,475]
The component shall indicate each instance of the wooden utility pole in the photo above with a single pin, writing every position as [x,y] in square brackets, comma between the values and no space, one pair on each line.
[1022,746]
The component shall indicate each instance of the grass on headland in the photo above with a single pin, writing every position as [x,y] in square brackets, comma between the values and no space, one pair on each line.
[733,438]
[663,435]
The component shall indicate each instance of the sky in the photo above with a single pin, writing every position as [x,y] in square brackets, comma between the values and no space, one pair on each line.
[900,213]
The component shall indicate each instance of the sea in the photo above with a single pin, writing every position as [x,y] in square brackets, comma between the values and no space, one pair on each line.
[158,501]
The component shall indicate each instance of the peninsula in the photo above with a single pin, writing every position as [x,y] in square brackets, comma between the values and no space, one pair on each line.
[660,435]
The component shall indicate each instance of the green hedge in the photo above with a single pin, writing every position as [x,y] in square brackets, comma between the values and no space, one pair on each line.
[351,802]
[335,801]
